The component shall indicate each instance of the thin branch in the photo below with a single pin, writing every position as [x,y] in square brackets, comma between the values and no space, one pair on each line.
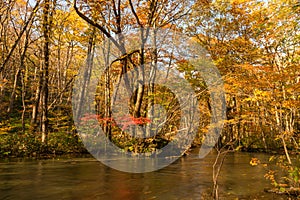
[61,92]
[125,56]
[134,13]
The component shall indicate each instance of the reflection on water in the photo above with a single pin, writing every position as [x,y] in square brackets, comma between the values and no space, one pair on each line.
[85,178]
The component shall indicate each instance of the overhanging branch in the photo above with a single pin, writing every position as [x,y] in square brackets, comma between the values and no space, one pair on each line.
[95,24]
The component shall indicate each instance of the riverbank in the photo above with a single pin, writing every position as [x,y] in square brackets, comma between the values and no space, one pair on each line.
[28,145]
[13,145]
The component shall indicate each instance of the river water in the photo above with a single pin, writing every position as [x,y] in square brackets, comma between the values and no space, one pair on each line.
[86,178]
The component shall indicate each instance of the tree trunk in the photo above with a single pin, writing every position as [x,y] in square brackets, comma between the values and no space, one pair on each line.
[45,89]
[87,73]
[36,102]
[13,94]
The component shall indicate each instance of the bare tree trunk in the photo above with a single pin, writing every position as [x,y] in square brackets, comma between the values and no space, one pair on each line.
[217,166]
[24,74]
[286,150]
[36,102]
[23,102]
[45,89]
[87,73]
[108,99]
[151,85]
[260,120]
[13,94]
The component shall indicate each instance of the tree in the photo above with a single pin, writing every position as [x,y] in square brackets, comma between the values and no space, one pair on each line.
[255,45]
[250,42]
[113,19]
[36,79]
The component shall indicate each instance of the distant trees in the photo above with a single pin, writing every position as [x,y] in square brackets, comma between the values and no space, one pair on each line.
[115,19]
[254,44]
[256,47]
[42,46]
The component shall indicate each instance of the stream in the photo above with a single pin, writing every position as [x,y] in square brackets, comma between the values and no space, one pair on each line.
[86,178]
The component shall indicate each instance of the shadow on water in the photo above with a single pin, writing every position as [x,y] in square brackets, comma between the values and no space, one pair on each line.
[85,178]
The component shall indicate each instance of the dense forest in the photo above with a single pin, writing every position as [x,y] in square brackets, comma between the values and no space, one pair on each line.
[46,44]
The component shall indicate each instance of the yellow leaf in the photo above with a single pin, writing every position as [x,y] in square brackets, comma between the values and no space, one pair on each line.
[254,161]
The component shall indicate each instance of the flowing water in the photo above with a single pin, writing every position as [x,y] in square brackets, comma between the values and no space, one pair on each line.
[85,178]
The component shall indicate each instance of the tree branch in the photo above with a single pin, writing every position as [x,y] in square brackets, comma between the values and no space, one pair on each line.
[95,24]
[134,13]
